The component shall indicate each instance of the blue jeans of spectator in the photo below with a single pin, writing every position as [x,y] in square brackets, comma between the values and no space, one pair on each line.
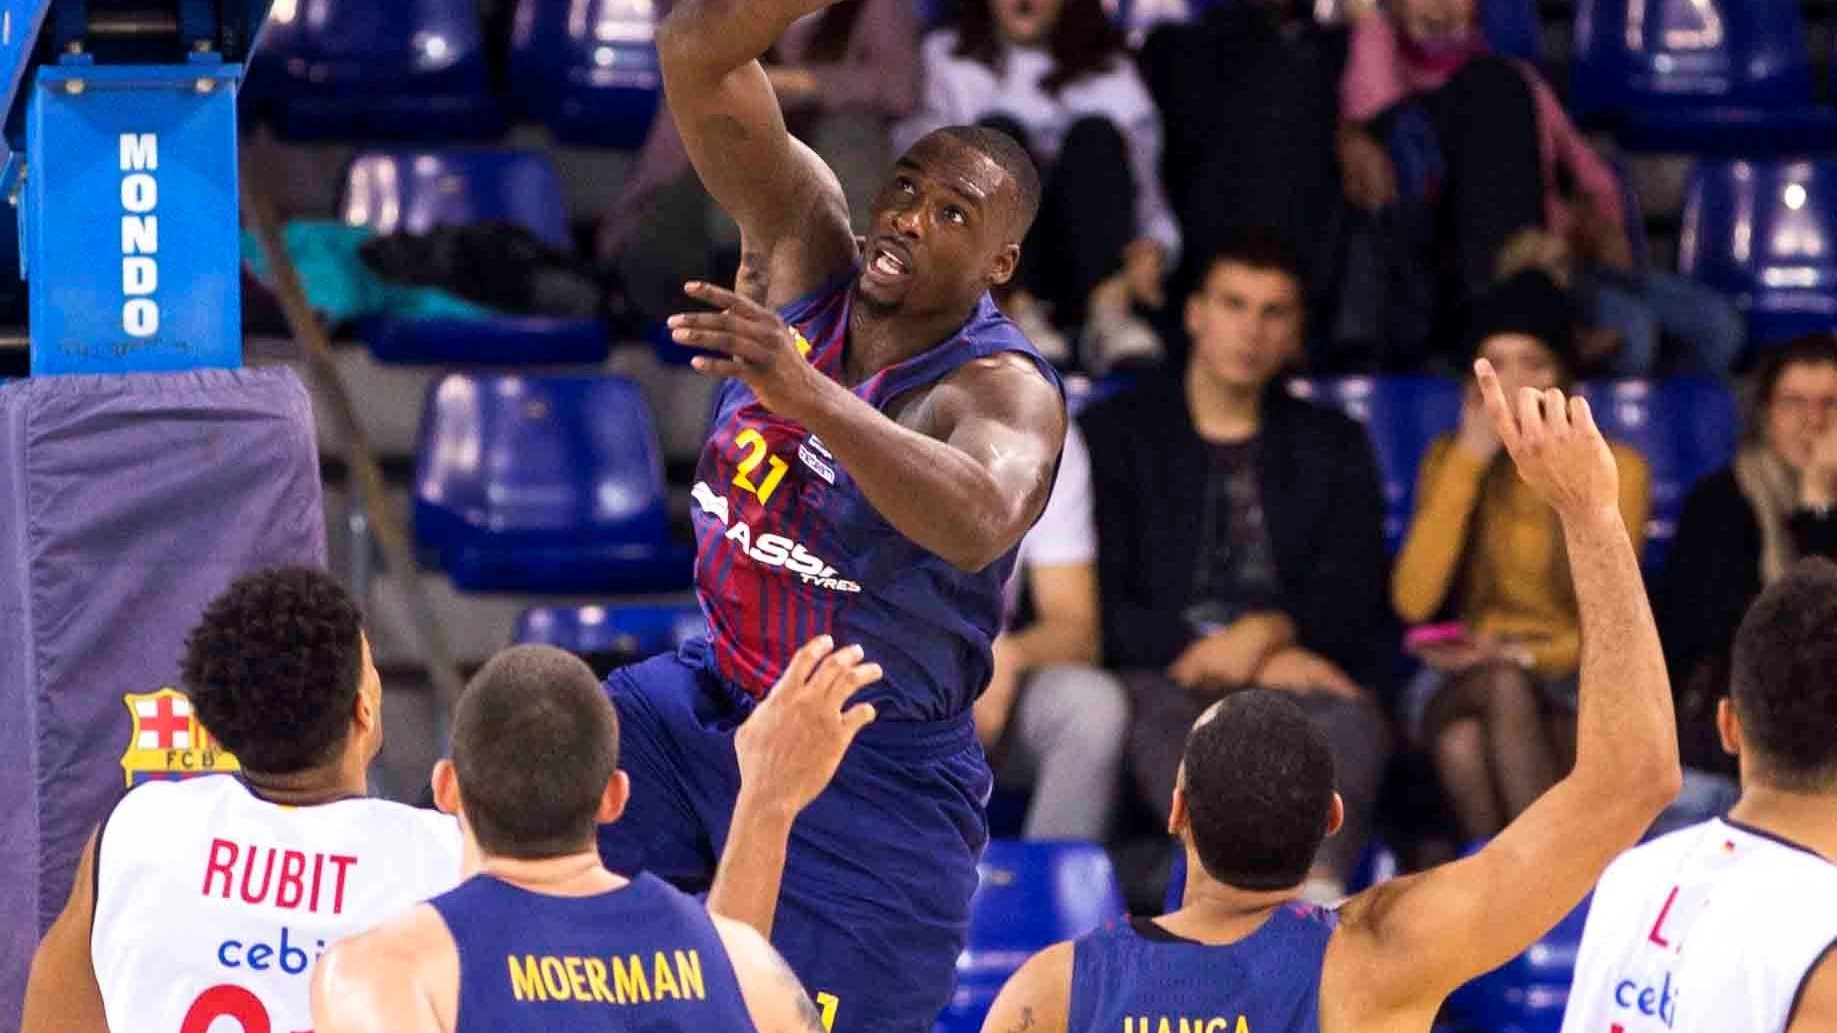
[1705,322]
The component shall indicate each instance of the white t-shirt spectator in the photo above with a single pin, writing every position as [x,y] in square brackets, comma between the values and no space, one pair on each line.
[1066,533]
[961,91]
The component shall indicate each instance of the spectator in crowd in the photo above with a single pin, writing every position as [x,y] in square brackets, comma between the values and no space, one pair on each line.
[1051,720]
[1459,149]
[1055,74]
[1240,542]
[844,75]
[1494,703]
[1741,530]
[1247,92]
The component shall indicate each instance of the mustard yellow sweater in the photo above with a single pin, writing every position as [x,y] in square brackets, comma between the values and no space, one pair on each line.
[1483,540]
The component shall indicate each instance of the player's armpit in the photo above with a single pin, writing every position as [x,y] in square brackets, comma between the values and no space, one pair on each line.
[62,994]
[1037,998]
[776,1000]
[1816,1007]
[789,205]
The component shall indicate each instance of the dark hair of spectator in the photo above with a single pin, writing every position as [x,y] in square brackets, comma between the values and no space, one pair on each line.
[1814,349]
[1785,651]
[273,666]
[1083,41]
[1259,791]
[535,741]
[1261,249]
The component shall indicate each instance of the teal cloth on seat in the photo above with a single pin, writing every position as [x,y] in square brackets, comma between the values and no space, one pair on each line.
[341,287]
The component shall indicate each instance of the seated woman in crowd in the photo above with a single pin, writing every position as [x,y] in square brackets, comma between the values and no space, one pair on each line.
[1055,74]
[1494,703]
[1465,149]
[1741,529]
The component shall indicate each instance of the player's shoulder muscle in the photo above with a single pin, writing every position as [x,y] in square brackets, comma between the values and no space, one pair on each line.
[1037,998]
[1006,388]
[387,979]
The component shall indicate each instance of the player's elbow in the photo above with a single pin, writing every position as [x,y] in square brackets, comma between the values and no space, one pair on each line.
[1644,782]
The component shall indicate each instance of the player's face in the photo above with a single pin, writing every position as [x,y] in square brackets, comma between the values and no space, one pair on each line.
[1433,21]
[1245,324]
[1522,361]
[1802,409]
[1025,22]
[937,238]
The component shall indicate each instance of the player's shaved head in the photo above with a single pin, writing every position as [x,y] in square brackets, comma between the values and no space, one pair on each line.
[535,741]
[1022,176]
[1258,781]
[1781,680]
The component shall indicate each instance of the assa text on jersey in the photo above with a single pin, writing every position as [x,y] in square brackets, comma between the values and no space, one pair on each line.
[771,550]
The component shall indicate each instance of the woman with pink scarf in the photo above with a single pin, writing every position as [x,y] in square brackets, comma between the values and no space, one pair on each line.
[1499,144]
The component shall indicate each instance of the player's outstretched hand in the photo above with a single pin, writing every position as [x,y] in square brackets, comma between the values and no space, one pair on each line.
[753,345]
[1553,441]
[789,748]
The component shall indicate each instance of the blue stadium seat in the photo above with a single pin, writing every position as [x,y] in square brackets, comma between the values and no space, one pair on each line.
[1702,76]
[634,631]
[1528,993]
[587,69]
[1513,28]
[1766,234]
[1685,428]
[1403,415]
[544,484]
[1031,896]
[415,191]
[374,70]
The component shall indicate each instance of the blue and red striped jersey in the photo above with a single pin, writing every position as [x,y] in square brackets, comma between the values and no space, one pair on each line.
[787,547]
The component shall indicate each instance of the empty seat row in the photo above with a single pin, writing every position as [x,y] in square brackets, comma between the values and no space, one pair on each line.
[418,70]
[1703,76]
[1699,76]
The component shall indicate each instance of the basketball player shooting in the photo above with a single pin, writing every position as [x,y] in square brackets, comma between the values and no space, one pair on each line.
[883,438]
[1255,798]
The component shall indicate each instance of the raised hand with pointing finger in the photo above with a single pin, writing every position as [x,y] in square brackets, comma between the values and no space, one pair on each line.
[1558,450]
[789,748]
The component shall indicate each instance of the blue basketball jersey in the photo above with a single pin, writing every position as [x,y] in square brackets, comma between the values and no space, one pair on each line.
[642,958]
[1136,977]
[788,547]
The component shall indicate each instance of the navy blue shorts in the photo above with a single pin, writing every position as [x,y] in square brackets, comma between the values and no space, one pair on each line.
[875,903]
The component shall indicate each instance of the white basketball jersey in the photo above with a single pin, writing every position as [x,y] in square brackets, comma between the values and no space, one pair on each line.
[1711,929]
[212,904]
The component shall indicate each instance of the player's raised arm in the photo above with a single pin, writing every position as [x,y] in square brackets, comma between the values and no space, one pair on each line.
[62,993]
[792,215]
[1412,941]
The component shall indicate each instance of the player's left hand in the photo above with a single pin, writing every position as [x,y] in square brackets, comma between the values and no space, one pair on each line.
[791,745]
[759,348]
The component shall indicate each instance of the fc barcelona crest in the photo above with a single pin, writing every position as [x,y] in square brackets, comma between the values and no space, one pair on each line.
[167,743]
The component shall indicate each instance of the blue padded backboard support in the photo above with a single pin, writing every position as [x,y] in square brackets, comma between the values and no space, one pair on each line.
[125,179]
